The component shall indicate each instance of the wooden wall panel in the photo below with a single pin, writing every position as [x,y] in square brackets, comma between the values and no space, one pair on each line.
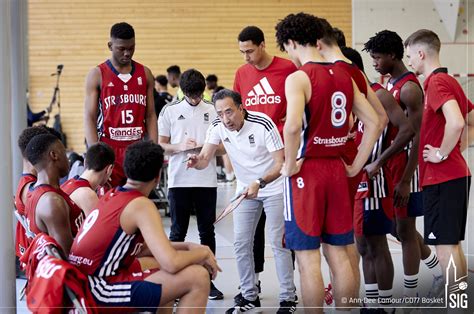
[199,34]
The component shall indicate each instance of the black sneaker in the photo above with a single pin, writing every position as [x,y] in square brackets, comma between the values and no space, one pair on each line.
[287,307]
[259,288]
[243,305]
[214,293]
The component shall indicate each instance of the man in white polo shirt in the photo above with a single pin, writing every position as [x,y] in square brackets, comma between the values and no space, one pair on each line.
[182,128]
[254,145]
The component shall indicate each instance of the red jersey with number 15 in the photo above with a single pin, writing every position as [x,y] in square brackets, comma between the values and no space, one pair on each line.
[326,115]
[102,248]
[122,105]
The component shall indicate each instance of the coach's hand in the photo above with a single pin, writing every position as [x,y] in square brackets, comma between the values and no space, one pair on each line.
[401,194]
[192,160]
[252,190]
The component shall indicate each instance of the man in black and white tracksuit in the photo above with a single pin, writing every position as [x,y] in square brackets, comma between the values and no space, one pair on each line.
[255,148]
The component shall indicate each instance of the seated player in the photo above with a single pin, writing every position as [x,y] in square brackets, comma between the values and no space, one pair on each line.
[27,177]
[99,164]
[114,233]
[47,208]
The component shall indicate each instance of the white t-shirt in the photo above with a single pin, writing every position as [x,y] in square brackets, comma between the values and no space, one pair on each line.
[250,149]
[179,121]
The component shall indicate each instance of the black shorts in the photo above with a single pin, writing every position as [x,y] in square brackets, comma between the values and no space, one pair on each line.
[445,207]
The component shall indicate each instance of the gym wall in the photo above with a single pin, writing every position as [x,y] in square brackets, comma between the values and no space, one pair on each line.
[199,34]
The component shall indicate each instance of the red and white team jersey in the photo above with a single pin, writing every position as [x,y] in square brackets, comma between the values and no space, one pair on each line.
[122,106]
[359,79]
[325,128]
[381,185]
[440,87]
[76,215]
[102,249]
[75,183]
[21,242]
[398,162]
[264,90]
[356,74]
[47,278]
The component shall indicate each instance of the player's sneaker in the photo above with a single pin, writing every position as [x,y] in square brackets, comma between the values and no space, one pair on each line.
[214,293]
[287,307]
[328,297]
[243,305]
[437,287]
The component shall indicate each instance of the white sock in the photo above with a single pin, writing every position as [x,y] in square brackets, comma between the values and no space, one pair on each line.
[372,294]
[385,297]
[410,285]
[432,263]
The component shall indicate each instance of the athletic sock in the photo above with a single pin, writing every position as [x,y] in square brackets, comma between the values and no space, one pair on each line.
[410,285]
[385,298]
[372,294]
[432,263]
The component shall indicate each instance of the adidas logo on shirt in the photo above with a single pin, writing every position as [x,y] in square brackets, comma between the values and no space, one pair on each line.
[262,94]
[181,117]
[227,140]
[431,236]
[111,84]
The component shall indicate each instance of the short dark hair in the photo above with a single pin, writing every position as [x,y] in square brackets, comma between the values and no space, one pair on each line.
[122,30]
[354,56]
[38,147]
[162,80]
[425,37]
[99,156]
[211,78]
[385,42]
[302,28]
[174,69]
[26,136]
[54,132]
[227,93]
[329,36]
[143,161]
[192,83]
[340,37]
[252,33]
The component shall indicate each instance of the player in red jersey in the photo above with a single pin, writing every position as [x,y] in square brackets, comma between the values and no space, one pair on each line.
[113,236]
[373,209]
[47,208]
[386,50]
[261,84]
[321,98]
[28,176]
[119,106]
[331,52]
[98,168]
[444,174]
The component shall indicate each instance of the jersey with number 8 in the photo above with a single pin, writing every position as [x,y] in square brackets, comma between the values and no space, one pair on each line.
[326,115]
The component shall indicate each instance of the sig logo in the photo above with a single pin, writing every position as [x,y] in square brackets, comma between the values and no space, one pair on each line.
[456,288]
